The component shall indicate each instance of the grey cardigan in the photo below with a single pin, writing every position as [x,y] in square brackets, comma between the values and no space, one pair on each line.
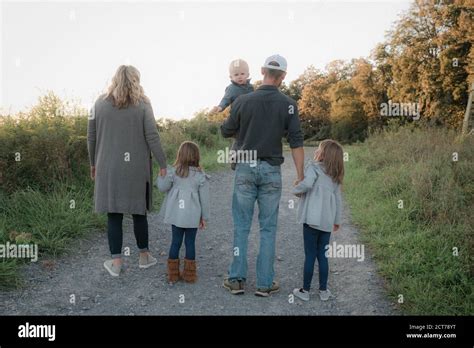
[320,206]
[120,143]
[187,199]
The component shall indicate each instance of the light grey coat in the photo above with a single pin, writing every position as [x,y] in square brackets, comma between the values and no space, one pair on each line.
[187,199]
[120,143]
[320,206]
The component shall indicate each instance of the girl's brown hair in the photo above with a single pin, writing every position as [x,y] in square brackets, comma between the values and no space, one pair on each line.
[188,156]
[332,157]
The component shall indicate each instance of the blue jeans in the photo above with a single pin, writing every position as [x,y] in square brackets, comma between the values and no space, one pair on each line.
[189,235]
[315,242]
[261,183]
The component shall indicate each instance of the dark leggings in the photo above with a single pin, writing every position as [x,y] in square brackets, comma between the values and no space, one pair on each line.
[115,234]
[315,242]
[189,235]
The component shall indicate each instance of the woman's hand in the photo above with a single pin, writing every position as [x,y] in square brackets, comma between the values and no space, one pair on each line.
[93,172]
[202,224]
[297,181]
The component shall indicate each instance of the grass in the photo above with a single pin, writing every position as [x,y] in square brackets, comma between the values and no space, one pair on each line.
[415,247]
[51,220]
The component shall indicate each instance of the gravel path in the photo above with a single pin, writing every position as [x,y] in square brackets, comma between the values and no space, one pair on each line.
[49,285]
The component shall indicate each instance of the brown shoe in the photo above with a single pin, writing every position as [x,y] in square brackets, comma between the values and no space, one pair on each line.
[173,270]
[189,273]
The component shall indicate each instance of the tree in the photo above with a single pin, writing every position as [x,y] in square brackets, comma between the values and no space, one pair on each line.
[349,122]
[428,52]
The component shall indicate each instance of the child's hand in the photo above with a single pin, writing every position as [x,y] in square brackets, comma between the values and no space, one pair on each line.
[162,171]
[202,224]
[336,228]
[215,110]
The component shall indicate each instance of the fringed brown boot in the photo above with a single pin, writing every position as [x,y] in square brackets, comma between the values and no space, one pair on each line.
[189,273]
[173,270]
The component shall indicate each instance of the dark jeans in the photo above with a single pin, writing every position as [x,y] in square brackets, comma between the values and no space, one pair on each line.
[115,234]
[189,235]
[315,242]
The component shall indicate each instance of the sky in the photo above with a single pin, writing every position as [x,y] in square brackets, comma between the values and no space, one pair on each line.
[182,49]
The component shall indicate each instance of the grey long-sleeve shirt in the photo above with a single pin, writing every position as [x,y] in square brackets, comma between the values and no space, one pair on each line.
[233,91]
[261,119]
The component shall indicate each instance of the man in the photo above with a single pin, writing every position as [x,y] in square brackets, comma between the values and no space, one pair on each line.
[259,120]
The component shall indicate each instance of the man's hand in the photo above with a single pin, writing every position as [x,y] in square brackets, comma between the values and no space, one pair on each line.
[93,172]
[162,171]
[202,224]
[336,228]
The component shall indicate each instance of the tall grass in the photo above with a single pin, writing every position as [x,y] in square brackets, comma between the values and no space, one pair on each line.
[423,250]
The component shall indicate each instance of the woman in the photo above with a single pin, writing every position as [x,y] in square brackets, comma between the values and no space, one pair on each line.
[121,133]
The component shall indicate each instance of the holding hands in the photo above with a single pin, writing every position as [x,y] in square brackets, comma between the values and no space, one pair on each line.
[295,183]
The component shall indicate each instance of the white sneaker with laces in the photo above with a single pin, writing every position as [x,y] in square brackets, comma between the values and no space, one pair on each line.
[301,294]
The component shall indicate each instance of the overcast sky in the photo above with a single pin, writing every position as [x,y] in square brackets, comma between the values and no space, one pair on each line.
[182,49]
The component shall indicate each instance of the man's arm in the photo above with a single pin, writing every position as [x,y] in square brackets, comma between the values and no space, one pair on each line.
[298,158]
[295,139]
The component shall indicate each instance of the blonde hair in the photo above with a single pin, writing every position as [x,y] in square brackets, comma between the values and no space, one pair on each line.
[125,88]
[237,64]
[187,156]
[332,156]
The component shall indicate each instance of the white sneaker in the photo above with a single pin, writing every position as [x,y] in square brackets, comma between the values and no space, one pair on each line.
[146,261]
[324,295]
[112,269]
[301,294]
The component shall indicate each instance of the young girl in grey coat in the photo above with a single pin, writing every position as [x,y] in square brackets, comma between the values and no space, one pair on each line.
[186,208]
[320,212]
